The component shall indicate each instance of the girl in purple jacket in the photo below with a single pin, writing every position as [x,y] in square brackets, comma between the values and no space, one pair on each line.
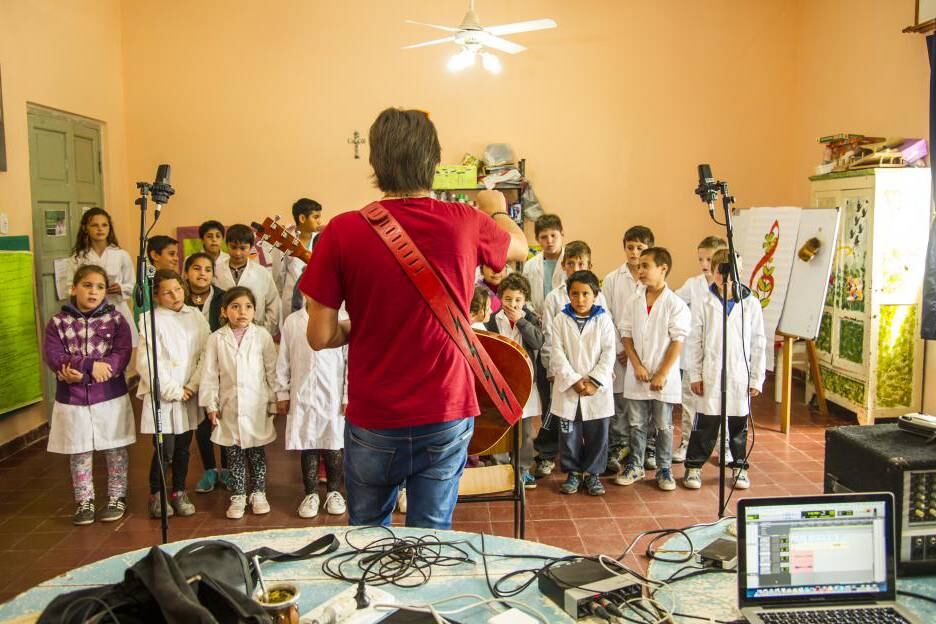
[87,345]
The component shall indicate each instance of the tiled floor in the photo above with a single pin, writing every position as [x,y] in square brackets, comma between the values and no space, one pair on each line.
[38,541]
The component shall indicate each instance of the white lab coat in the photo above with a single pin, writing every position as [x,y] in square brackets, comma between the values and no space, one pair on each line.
[314,384]
[533,271]
[286,272]
[745,327]
[238,382]
[119,268]
[533,406]
[618,286]
[96,427]
[694,289]
[668,321]
[555,301]
[259,280]
[181,338]
[589,353]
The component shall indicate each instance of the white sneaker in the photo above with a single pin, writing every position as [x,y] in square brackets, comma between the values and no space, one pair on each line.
[741,479]
[335,503]
[259,504]
[401,500]
[693,479]
[309,507]
[235,510]
[679,455]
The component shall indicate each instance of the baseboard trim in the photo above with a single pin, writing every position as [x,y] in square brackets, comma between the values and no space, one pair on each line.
[17,444]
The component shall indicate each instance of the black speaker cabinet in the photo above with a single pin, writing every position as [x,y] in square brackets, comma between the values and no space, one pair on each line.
[881,458]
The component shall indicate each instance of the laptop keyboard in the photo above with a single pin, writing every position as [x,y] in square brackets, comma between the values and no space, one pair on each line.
[879,615]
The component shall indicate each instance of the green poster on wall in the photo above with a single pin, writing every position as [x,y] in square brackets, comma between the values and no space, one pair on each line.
[20,382]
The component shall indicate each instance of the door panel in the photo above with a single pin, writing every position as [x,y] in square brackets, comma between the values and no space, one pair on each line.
[65,179]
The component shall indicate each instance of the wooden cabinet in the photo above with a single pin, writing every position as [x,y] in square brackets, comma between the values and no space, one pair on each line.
[869,345]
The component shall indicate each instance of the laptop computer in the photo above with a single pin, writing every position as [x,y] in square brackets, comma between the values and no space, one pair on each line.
[818,559]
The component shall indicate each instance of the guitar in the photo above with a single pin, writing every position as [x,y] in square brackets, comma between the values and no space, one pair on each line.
[509,357]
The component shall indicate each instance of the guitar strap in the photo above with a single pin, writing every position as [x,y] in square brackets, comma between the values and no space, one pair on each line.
[430,286]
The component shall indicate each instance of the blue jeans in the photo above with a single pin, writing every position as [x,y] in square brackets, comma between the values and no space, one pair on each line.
[643,414]
[428,458]
[583,444]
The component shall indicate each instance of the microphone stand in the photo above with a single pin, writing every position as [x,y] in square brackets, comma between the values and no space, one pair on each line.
[145,287]
[730,278]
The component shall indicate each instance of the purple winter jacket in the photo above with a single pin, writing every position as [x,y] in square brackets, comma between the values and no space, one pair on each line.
[80,339]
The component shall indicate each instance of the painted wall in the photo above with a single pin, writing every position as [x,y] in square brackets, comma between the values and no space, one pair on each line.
[856,72]
[66,56]
[613,110]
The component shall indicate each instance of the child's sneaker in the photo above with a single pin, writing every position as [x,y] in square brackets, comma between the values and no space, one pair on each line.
[207,482]
[741,479]
[593,485]
[679,455]
[115,510]
[693,479]
[225,478]
[572,483]
[528,480]
[181,504]
[614,462]
[665,481]
[309,507]
[235,510]
[544,468]
[632,473]
[84,513]
[259,504]
[335,503]
[155,508]
[650,459]
[401,500]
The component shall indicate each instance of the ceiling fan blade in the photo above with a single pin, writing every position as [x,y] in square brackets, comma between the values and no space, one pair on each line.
[445,28]
[503,45]
[429,43]
[519,27]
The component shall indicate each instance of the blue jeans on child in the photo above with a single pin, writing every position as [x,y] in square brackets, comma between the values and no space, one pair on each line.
[583,444]
[428,458]
[641,415]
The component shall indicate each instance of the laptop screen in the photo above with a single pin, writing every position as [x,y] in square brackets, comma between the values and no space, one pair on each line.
[816,549]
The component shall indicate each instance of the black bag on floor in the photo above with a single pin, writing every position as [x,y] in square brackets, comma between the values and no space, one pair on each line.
[208,582]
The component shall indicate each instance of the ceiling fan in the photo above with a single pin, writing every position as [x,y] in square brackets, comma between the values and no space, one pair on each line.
[472,37]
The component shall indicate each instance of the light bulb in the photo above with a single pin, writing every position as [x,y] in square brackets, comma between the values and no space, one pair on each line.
[491,63]
[462,60]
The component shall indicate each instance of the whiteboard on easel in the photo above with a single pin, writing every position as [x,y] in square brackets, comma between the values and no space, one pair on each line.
[809,280]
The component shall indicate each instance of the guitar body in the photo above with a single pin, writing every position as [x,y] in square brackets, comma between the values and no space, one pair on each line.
[511,360]
[507,356]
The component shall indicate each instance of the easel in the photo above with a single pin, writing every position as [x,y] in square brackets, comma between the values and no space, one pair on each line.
[786,403]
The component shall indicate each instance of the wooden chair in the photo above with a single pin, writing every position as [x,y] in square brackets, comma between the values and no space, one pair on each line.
[503,482]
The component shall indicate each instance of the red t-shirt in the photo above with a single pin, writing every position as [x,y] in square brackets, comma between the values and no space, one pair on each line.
[403,368]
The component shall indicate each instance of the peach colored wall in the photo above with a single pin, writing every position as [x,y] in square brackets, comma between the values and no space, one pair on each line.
[613,109]
[66,56]
[856,72]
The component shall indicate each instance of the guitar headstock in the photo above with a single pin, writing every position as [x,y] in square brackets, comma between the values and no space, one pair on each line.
[272,232]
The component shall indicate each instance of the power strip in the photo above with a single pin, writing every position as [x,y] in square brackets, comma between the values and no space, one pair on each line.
[342,609]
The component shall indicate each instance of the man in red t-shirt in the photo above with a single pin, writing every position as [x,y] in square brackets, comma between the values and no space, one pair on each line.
[411,399]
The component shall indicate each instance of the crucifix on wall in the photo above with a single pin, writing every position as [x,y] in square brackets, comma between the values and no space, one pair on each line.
[357,141]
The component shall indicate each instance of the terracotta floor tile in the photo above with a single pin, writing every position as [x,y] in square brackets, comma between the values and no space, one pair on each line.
[551,528]
[572,544]
[555,511]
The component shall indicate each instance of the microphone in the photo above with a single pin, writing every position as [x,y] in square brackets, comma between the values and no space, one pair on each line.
[708,188]
[161,189]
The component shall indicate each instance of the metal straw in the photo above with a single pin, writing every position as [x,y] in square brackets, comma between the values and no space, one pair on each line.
[256,562]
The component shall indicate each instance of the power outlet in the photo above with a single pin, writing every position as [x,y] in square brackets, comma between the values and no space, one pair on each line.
[4,223]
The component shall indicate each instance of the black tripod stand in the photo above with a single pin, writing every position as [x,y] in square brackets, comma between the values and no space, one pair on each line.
[160,191]
[708,190]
